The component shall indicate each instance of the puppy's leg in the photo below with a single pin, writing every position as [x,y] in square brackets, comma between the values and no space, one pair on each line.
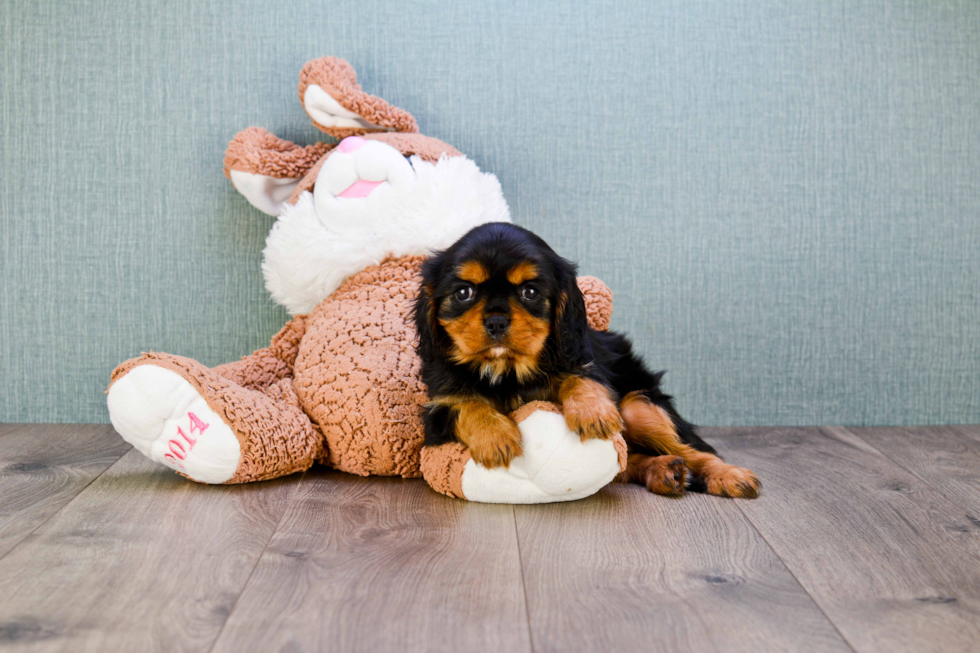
[589,408]
[650,427]
[660,474]
[491,437]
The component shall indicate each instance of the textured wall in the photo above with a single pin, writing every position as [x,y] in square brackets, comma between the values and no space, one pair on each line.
[784,196]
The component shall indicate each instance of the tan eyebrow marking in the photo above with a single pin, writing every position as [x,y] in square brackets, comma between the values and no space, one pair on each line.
[473,271]
[522,272]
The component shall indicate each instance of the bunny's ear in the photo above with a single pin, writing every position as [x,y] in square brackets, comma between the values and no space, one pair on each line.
[332,97]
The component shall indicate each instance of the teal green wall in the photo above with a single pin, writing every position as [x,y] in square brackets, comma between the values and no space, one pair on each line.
[784,196]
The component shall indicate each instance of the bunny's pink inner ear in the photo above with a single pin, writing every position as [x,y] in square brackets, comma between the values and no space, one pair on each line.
[332,97]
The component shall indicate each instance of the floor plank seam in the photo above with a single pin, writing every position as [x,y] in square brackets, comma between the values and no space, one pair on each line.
[520,562]
[790,571]
[258,561]
[795,577]
[67,503]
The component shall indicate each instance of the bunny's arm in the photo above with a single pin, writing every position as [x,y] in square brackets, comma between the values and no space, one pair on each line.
[598,302]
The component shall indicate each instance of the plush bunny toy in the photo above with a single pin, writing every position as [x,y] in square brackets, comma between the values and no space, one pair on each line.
[339,384]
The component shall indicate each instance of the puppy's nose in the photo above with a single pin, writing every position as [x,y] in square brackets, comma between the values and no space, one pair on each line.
[496,325]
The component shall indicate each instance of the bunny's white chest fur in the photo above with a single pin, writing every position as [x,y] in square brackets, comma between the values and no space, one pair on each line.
[368,204]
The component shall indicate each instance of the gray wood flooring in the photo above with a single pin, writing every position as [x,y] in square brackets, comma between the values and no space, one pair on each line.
[863,540]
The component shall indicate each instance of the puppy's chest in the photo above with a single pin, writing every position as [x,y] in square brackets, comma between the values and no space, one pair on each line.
[508,400]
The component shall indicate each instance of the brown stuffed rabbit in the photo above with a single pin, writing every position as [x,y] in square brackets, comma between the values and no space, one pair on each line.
[339,384]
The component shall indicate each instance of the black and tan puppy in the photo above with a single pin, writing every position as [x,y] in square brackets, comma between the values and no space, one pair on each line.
[502,322]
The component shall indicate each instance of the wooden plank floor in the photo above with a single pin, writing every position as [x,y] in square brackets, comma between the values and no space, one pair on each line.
[863,540]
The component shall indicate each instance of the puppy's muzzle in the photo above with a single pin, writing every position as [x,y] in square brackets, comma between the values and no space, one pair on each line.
[496,326]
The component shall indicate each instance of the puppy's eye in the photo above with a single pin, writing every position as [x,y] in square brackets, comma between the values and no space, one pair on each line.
[464,294]
[529,293]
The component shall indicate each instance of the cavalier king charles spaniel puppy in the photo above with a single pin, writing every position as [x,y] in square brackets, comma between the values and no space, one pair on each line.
[502,322]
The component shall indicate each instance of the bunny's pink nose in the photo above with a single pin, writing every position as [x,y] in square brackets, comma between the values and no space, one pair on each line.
[351,144]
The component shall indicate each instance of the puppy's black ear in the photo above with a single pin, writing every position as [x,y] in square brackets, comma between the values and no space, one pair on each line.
[571,321]
[425,308]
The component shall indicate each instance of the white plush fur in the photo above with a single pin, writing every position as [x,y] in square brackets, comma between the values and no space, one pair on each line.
[265,193]
[151,406]
[556,466]
[421,207]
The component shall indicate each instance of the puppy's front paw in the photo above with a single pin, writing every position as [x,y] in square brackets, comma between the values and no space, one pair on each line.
[495,448]
[492,438]
[598,421]
[589,409]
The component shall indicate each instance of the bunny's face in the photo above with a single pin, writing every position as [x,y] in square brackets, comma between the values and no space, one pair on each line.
[371,201]
[361,186]
[384,190]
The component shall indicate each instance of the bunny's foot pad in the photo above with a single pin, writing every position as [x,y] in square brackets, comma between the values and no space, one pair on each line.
[165,418]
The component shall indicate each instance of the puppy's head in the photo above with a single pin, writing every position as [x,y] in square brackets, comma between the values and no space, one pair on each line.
[494,300]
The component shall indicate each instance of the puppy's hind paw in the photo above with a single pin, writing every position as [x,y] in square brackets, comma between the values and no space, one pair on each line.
[726,480]
[667,475]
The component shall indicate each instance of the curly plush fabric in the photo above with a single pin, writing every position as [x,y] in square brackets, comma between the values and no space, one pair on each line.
[598,302]
[257,151]
[357,373]
[442,467]
[262,368]
[339,79]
